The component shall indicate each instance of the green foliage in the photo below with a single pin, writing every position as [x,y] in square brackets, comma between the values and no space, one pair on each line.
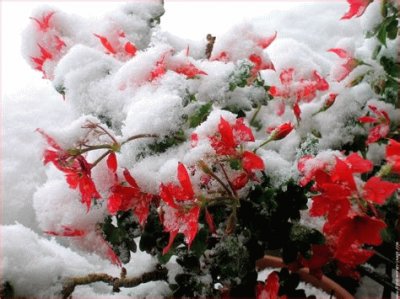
[240,75]
[121,236]
[200,115]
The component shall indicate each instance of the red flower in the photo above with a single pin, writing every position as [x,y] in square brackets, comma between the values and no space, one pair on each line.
[350,64]
[77,170]
[379,191]
[259,65]
[393,155]
[304,90]
[181,212]
[44,23]
[281,131]
[381,122]
[358,164]
[124,198]
[230,136]
[357,8]
[189,70]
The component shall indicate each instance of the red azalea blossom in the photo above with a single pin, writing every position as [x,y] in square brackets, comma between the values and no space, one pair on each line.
[44,23]
[381,122]
[181,212]
[357,8]
[350,64]
[393,155]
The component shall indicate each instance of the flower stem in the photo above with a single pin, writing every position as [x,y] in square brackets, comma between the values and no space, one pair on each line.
[262,144]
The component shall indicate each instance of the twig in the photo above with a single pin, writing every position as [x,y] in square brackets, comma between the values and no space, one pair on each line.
[115,282]
[139,136]
[210,45]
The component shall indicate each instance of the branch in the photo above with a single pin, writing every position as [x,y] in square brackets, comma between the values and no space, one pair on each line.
[70,283]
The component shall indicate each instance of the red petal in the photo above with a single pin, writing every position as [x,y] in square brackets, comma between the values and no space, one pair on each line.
[50,141]
[210,221]
[166,196]
[184,180]
[251,161]
[340,52]
[282,131]
[45,54]
[129,178]
[297,111]
[242,132]
[392,149]
[112,162]
[172,235]
[44,24]
[286,76]
[189,70]
[358,164]
[361,229]
[378,133]
[226,132]
[130,49]
[106,44]
[367,119]
[379,191]
[114,203]
[265,42]
[240,181]
[321,83]
[357,8]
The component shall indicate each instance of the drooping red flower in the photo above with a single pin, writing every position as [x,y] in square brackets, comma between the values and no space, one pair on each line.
[44,22]
[349,65]
[281,131]
[357,8]
[378,191]
[230,136]
[189,70]
[393,155]
[321,255]
[381,123]
[259,65]
[75,167]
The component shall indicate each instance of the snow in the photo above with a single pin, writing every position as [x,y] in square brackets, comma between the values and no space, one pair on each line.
[119,88]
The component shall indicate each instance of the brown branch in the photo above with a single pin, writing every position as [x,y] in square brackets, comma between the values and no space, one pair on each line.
[130,282]
[210,45]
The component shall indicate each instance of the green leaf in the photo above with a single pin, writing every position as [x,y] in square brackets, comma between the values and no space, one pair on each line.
[392,29]
[200,115]
[235,164]
[199,244]
[382,34]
